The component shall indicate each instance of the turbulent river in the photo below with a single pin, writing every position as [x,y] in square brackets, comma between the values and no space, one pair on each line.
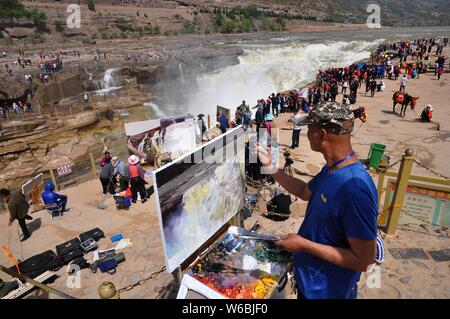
[272,64]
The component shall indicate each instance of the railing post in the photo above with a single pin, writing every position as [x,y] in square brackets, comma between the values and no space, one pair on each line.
[380,186]
[52,175]
[399,195]
[94,171]
[382,169]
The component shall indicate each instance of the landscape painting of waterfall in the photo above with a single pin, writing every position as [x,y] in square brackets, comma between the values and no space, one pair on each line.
[198,194]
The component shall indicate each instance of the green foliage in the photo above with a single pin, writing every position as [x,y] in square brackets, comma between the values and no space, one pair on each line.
[137,13]
[36,37]
[250,11]
[59,26]
[156,30]
[229,26]
[40,19]
[218,20]
[123,25]
[188,27]
[91,4]
[12,9]
[245,26]
[145,15]
[94,36]
[232,14]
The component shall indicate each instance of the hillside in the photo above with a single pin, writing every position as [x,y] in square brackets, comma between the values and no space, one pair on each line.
[45,21]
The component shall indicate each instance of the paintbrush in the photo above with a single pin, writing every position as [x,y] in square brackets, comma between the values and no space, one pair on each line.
[259,237]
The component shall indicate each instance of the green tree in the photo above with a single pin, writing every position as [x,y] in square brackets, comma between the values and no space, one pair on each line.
[59,26]
[91,5]
[188,27]
[229,26]
[218,20]
[39,18]
[245,26]
[250,11]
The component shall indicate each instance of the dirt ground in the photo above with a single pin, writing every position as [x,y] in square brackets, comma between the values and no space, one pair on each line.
[411,278]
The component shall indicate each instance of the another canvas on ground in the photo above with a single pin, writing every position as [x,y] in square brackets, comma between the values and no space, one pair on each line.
[196,196]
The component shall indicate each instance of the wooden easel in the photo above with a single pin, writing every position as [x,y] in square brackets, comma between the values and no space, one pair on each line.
[37,189]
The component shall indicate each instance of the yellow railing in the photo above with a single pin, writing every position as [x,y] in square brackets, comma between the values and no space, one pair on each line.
[390,213]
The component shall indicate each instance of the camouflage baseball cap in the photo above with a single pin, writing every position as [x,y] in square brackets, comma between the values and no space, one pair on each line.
[334,117]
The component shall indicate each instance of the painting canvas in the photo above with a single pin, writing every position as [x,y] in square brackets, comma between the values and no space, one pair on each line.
[222,110]
[198,194]
[167,121]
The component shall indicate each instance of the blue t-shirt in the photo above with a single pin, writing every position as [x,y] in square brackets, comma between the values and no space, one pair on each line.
[343,204]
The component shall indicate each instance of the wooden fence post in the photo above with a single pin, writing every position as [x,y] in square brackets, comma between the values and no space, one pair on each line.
[209,121]
[52,175]
[399,195]
[94,170]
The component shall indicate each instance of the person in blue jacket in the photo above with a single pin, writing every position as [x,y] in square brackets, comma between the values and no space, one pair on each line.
[50,197]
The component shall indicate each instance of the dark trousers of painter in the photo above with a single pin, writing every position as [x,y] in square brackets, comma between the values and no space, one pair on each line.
[138,185]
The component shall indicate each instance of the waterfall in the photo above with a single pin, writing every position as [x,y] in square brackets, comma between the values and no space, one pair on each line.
[108,83]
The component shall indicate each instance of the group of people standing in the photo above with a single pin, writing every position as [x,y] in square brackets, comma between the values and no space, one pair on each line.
[131,177]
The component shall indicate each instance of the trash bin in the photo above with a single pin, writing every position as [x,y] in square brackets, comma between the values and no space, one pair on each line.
[376,153]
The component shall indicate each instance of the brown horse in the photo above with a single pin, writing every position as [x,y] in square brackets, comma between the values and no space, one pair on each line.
[407,100]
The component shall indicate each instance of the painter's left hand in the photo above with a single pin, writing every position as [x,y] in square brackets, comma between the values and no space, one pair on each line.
[291,242]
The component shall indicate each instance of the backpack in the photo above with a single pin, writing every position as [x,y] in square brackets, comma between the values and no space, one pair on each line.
[38,264]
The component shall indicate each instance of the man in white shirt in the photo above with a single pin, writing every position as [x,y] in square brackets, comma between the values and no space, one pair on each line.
[403,82]
[296,128]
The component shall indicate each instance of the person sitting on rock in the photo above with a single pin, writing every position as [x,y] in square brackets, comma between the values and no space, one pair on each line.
[50,197]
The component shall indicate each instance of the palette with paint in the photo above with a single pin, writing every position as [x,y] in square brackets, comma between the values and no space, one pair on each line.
[242,267]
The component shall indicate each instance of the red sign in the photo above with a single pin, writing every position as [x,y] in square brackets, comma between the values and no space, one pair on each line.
[424,191]
[64,170]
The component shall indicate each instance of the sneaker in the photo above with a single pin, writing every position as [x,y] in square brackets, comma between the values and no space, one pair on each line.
[25,237]
[28,217]
[133,201]
[144,200]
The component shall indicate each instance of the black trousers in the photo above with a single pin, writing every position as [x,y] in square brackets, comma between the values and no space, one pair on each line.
[108,185]
[275,110]
[23,226]
[138,185]
[123,184]
[295,138]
